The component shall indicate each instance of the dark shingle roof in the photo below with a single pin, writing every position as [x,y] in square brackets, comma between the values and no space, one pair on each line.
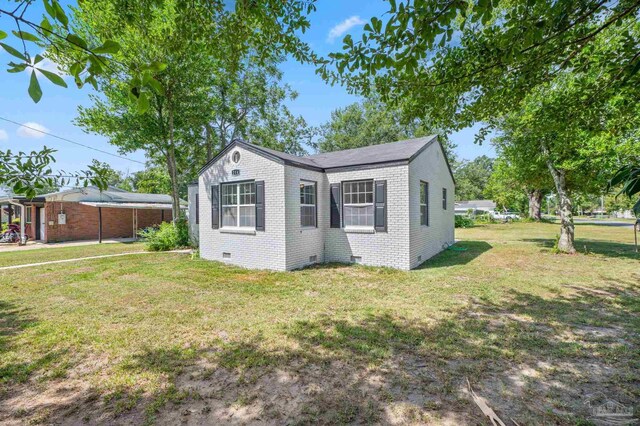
[373,154]
[394,152]
[307,161]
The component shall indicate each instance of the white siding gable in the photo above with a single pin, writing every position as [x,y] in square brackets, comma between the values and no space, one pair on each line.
[263,249]
[427,241]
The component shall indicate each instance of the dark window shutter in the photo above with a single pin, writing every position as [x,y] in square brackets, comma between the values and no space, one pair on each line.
[215,206]
[426,197]
[197,209]
[315,199]
[259,205]
[335,205]
[380,218]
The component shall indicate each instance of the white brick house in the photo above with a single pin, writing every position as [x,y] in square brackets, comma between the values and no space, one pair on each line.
[382,205]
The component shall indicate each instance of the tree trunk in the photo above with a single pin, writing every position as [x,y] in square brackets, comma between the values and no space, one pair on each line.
[208,131]
[567,230]
[535,203]
[173,175]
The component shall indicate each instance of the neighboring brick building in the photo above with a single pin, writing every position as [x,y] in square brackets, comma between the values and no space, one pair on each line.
[383,205]
[87,213]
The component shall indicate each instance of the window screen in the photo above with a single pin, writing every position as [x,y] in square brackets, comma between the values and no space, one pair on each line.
[358,203]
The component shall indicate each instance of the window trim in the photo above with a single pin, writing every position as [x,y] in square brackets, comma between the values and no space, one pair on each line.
[315,205]
[424,184]
[444,198]
[28,215]
[372,204]
[237,205]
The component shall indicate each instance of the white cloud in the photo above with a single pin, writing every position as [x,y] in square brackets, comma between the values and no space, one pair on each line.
[48,65]
[3,135]
[31,130]
[343,27]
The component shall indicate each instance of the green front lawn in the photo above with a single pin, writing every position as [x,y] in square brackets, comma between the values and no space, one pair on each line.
[25,257]
[165,338]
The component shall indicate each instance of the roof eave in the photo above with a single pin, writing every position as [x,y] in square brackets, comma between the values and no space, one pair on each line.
[367,166]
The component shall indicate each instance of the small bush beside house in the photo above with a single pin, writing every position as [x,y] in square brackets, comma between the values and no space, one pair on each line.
[167,236]
[463,222]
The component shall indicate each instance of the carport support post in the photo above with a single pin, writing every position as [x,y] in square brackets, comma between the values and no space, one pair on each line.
[100,225]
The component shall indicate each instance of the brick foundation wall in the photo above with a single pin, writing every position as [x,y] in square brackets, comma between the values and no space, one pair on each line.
[82,221]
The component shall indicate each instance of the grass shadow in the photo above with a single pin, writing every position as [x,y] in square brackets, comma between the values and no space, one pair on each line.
[586,246]
[460,253]
[614,223]
[534,359]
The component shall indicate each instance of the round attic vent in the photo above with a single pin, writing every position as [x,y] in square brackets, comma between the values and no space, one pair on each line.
[236,157]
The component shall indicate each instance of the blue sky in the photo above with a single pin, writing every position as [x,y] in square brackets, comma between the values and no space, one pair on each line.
[58,107]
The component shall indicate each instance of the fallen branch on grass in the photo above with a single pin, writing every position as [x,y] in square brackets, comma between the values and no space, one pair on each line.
[486,410]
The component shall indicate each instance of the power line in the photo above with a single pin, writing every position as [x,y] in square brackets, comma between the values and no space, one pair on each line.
[70,141]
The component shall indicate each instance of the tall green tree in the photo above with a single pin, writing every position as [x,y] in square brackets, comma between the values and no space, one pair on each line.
[160,124]
[462,62]
[247,100]
[372,122]
[580,146]
[564,71]
[504,188]
[152,180]
[472,178]
[214,68]
[112,176]
[273,25]
[519,171]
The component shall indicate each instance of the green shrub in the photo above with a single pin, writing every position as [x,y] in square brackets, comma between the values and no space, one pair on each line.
[463,222]
[485,218]
[182,227]
[167,236]
[527,219]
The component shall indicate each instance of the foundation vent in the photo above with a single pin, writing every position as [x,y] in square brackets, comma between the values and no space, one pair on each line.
[226,255]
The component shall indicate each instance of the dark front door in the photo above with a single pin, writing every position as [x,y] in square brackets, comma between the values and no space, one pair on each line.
[37,223]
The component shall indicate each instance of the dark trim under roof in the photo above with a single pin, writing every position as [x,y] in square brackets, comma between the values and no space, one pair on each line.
[324,162]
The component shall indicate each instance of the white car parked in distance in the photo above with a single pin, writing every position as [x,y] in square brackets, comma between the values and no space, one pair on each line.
[496,215]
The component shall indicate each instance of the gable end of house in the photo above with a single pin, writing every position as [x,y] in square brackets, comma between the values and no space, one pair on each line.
[444,153]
